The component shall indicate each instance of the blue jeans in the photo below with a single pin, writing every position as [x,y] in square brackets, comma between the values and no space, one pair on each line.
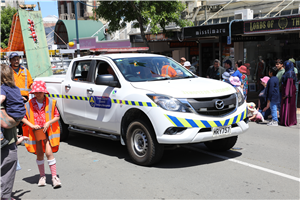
[273,107]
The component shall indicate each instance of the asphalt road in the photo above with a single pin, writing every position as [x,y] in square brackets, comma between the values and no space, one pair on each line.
[263,165]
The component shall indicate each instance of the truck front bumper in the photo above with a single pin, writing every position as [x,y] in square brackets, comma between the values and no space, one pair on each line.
[195,128]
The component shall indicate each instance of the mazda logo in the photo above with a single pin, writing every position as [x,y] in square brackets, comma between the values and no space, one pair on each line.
[219,104]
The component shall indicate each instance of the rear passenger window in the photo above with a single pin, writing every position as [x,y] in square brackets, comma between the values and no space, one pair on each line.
[80,73]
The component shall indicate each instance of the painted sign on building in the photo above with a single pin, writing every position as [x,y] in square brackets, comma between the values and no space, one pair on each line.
[283,23]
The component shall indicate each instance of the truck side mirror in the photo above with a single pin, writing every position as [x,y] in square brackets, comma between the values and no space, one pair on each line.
[107,79]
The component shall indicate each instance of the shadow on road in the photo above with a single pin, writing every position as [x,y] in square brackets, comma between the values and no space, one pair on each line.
[176,158]
[35,179]
[18,194]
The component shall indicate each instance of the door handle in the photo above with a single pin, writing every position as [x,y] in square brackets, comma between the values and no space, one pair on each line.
[90,90]
[68,86]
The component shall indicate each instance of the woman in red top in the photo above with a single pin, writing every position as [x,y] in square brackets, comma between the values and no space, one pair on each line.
[43,130]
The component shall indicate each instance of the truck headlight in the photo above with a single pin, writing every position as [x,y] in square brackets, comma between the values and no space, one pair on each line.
[168,103]
[240,97]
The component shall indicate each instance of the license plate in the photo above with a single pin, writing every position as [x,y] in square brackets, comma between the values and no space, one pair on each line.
[222,130]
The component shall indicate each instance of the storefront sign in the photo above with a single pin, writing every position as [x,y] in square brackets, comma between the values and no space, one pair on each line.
[273,24]
[183,44]
[245,38]
[204,31]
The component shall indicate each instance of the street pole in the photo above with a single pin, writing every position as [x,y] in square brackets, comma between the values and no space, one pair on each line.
[76,22]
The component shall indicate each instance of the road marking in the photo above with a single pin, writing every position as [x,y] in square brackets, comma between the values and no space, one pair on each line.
[246,164]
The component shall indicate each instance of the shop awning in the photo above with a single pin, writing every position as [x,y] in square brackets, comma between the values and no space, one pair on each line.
[66,29]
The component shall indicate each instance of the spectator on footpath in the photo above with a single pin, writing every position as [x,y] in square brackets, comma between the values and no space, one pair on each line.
[226,77]
[182,60]
[281,70]
[256,116]
[235,82]
[238,64]
[248,68]
[273,95]
[42,127]
[262,98]
[188,66]
[296,83]
[288,116]
[244,79]
[215,71]
[22,78]
[10,94]
[228,67]
[9,155]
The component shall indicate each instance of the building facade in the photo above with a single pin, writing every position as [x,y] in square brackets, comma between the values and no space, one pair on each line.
[261,32]
[11,3]
[66,9]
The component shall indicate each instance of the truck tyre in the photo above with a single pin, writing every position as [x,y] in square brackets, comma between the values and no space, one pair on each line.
[142,145]
[221,144]
[64,131]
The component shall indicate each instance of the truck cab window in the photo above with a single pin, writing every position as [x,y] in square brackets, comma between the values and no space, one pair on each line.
[81,70]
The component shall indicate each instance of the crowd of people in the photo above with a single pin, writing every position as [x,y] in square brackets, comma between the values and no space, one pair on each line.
[36,120]
[277,98]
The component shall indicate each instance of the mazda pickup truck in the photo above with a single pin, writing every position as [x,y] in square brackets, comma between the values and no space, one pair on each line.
[147,102]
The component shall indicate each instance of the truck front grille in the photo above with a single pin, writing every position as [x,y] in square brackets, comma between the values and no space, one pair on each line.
[208,107]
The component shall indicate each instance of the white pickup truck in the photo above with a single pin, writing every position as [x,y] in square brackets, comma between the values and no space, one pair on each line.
[146,101]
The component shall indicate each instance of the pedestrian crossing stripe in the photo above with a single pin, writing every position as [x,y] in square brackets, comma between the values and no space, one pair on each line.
[115,101]
[190,123]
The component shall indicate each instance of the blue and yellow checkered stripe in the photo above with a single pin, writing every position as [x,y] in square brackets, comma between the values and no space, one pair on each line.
[190,123]
[116,101]
[67,97]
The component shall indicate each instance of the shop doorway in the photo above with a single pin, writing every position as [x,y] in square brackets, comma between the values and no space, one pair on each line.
[209,52]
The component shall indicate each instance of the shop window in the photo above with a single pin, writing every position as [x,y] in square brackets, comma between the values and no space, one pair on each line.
[286,12]
[273,13]
[224,19]
[209,21]
[216,21]
[295,11]
[255,16]
[200,22]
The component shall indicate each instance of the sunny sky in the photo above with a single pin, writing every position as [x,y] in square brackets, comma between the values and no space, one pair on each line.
[48,7]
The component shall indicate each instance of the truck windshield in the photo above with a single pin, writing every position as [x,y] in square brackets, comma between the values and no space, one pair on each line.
[140,69]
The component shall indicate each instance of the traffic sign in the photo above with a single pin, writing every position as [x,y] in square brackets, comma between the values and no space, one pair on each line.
[228,39]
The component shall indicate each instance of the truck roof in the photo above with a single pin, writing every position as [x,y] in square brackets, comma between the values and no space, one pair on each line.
[125,55]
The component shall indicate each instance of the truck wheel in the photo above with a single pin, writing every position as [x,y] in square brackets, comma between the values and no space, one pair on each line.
[64,131]
[221,144]
[142,145]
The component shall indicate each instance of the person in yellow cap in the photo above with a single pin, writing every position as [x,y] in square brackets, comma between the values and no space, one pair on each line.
[22,76]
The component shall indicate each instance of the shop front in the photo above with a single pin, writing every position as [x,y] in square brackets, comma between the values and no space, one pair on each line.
[212,44]
[272,39]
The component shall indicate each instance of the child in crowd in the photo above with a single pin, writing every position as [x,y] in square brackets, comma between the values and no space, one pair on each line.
[256,116]
[226,77]
[235,82]
[244,80]
[42,128]
[262,98]
[11,97]
[273,96]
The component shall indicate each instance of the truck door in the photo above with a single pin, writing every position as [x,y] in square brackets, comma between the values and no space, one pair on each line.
[100,111]
[75,89]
